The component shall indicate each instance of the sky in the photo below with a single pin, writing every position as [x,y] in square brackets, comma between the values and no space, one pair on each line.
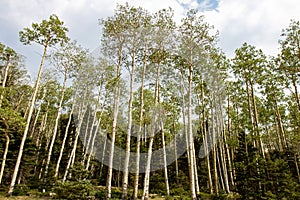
[257,22]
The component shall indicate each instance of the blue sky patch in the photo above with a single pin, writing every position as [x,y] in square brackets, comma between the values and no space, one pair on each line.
[201,5]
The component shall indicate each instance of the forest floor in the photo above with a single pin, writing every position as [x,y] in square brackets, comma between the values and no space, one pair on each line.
[48,198]
[44,198]
[23,198]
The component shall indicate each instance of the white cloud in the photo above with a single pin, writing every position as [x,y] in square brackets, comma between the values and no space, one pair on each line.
[258,22]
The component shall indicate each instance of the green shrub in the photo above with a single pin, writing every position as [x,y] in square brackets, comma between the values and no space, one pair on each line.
[74,190]
[100,194]
[179,192]
[21,190]
[116,193]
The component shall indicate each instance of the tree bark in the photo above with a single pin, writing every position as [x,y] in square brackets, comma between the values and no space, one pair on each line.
[94,137]
[5,77]
[5,150]
[141,117]
[86,145]
[64,141]
[148,165]
[129,127]
[114,125]
[296,92]
[154,121]
[261,145]
[16,170]
[165,159]
[56,124]
[73,152]
[37,115]
[190,136]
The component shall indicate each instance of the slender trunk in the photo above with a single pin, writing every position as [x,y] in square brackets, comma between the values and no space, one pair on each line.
[81,113]
[136,179]
[73,152]
[88,129]
[37,114]
[64,141]
[280,124]
[148,164]
[117,183]
[5,77]
[103,154]
[129,127]
[42,131]
[175,152]
[137,168]
[184,116]
[38,142]
[224,165]
[86,145]
[205,143]
[16,170]
[5,150]
[278,131]
[215,155]
[229,160]
[190,136]
[196,172]
[56,124]
[207,158]
[261,145]
[47,135]
[114,125]
[94,137]
[20,176]
[220,169]
[165,160]
[215,170]
[296,92]
[40,138]
[250,116]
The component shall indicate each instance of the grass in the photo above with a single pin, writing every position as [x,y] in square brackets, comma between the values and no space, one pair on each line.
[23,198]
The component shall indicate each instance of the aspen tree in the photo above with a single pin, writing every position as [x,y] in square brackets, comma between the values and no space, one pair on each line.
[47,34]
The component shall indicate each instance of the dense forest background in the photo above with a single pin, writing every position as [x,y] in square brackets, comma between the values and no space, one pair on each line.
[155,84]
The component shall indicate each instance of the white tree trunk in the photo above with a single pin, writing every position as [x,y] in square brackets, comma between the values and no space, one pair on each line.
[36,87]
[73,152]
[141,117]
[5,78]
[148,165]
[64,141]
[56,124]
[114,125]
[207,159]
[37,115]
[190,137]
[165,159]
[103,154]
[94,137]
[127,155]
[175,152]
[195,171]
[5,150]
[87,144]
